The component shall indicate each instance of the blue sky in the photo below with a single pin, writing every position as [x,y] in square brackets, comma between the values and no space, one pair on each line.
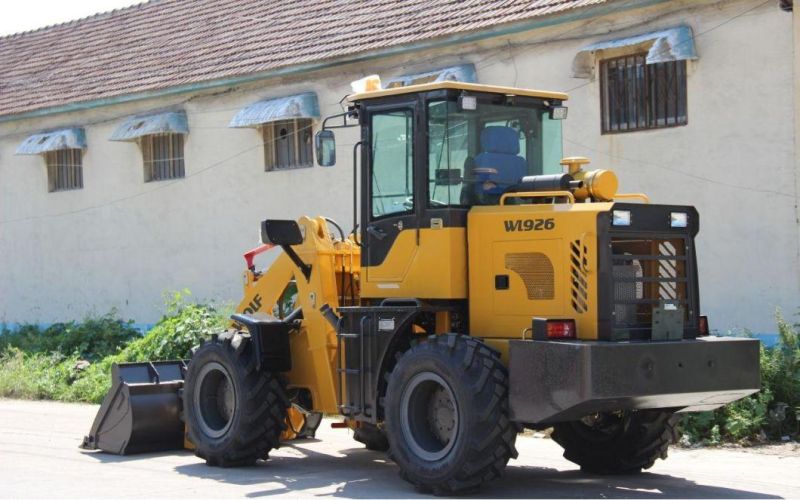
[31,14]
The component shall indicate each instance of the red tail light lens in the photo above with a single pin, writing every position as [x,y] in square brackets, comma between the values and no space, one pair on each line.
[561,329]
[702,327]
[553,329]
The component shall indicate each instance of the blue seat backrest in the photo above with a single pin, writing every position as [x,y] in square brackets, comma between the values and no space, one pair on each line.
[499,151]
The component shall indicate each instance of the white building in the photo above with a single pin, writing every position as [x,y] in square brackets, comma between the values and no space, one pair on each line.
[135,182]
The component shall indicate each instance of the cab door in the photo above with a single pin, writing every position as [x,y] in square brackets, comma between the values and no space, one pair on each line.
[390,207]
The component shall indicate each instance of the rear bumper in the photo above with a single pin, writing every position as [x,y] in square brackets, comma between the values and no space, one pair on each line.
[561,381]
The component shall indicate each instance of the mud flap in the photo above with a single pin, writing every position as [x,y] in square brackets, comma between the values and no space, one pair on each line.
[142,411]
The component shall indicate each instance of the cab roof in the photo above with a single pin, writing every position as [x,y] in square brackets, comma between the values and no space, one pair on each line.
[450,85]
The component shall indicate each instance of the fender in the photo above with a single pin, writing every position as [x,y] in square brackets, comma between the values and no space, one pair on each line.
[270,338]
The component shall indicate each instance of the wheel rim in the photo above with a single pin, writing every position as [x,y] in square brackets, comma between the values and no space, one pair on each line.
[429,416]
[214,400]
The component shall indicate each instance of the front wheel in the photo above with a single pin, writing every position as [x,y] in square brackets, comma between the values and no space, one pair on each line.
[623,442]
[446,415]
[234,412]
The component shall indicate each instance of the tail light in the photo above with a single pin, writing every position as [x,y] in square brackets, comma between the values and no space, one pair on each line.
[702,327]
[554,329]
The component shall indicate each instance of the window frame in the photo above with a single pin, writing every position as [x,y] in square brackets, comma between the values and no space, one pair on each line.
[175,159]
[531,119]
[646,94]
[66,175]
[410,140]
[268,133]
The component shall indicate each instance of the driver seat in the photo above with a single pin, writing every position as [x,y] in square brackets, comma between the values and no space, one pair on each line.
[500,151]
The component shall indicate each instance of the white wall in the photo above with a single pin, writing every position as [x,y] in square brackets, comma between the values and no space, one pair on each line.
[121,242]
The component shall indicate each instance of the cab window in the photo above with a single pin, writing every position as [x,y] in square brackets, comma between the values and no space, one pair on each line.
[475,155]
[392,153]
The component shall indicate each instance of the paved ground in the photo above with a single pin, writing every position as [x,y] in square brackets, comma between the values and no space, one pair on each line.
[39,457]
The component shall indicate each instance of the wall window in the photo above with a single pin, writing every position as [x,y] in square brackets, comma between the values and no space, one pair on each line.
[64,169]
[640,96]
[163,156]
[287,144]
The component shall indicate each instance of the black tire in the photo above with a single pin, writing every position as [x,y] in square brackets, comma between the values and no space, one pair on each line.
[617,443]
[234,413]
[446,415]
[372,437]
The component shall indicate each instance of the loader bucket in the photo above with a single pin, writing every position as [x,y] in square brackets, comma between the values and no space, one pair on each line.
[142,411]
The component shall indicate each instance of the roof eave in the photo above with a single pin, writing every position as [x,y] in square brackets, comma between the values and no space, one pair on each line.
[473,36]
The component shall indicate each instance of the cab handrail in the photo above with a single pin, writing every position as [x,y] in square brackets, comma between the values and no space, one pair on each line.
[632,196]
[538,194]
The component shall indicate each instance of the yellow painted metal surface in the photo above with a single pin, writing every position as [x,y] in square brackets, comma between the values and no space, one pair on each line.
[600,185]
[314,345]
[548,252]
[474,87]
[567,195]
[436,268]
[633,196]
[294,421]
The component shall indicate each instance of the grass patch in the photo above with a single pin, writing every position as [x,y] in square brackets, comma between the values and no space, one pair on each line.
[60,375]
[35,376]
[771,414]
[91,339]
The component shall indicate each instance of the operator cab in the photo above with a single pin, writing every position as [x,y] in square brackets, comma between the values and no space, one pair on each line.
[430,152]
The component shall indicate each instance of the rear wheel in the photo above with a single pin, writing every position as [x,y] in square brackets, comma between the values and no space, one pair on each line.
[234,413]
[622,442]
[446,415]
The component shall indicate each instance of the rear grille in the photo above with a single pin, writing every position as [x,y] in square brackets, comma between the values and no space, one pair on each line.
[647,273]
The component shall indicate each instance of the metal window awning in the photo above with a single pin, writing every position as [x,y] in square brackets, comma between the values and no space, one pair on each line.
[280,108]
[54,140]
[674,44]
[169,122]
[464,73]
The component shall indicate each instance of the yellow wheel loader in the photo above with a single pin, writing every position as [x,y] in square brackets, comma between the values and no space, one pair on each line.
[477,294]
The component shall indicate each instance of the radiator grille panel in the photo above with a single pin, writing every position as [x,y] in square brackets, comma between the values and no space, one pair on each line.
[536,271]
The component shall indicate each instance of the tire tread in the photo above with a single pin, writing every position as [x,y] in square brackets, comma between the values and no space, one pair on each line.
[645,439]
[264,404]
[491,439]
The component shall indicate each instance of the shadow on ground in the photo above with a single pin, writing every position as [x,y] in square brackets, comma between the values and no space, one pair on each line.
[360,473]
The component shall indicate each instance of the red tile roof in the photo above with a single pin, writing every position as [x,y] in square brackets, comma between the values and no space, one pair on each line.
[169,43]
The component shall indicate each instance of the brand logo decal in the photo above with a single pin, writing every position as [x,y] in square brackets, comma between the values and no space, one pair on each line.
[254,305]
[529,225]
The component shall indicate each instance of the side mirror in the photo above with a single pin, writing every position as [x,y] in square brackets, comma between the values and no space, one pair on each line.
[325,145]
[280,232]
[448,177]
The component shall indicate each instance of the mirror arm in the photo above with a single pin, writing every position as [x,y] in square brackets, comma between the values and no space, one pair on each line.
[343,116]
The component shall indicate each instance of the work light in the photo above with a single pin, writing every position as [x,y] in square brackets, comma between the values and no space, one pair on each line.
[621,218]
[468,102]
[558,112]
[678,219]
